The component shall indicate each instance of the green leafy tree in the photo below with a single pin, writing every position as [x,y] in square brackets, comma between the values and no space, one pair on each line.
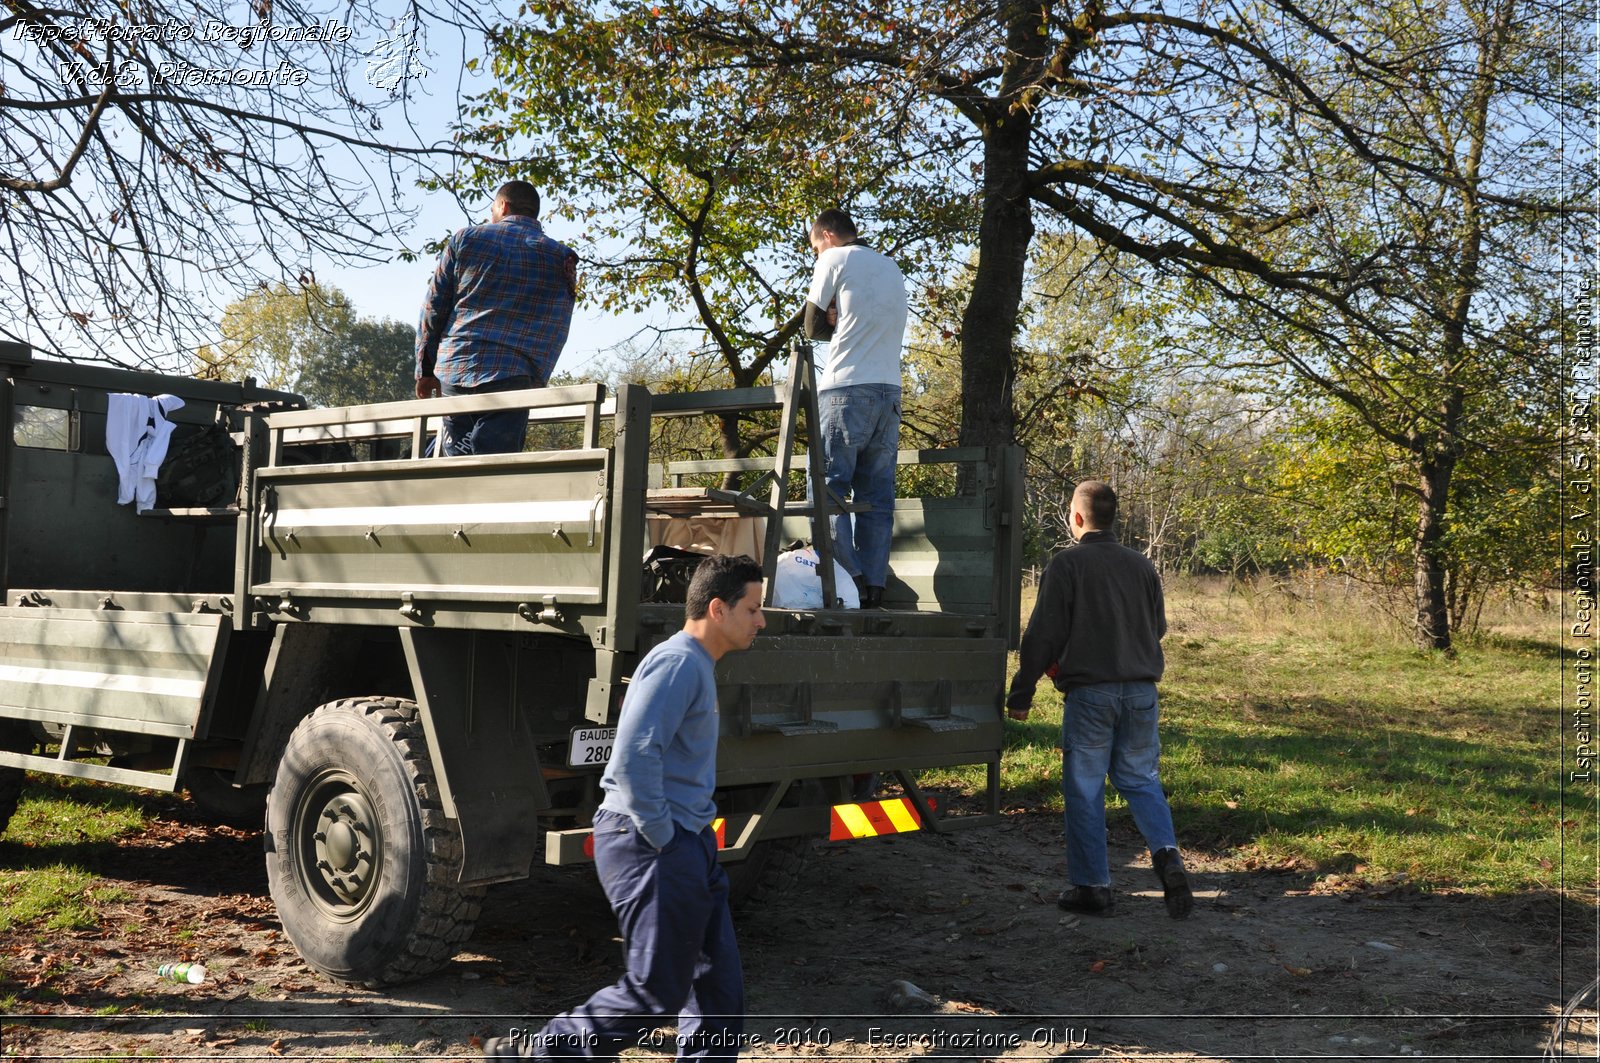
[1343,495]
[364,360]
[1102,393]
[270,332]
[1158,132]
[1438,204]
[704,172]
[309,340]
[1365,185]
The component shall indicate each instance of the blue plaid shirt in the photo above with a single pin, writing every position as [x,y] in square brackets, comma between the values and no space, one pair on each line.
[499,305]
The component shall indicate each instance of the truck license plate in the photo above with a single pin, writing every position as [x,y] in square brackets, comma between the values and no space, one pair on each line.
[590,747]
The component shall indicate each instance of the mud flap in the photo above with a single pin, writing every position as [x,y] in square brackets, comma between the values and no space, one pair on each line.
[483,753]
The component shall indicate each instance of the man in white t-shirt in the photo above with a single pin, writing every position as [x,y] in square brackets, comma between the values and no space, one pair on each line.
[857,301]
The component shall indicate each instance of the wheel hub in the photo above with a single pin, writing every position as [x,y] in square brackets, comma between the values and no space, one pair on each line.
[345,849]
[340,847]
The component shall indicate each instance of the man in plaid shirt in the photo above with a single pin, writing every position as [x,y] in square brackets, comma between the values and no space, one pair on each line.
[495,318]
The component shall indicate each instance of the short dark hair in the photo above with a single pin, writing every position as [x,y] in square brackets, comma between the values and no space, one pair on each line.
[836,222]
[1100,501]
[724,576]
[519,197]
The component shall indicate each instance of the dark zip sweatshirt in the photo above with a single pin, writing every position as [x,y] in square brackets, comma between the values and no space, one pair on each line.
[1099,619]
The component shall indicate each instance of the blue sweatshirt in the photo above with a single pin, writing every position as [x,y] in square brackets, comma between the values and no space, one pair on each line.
[664,764]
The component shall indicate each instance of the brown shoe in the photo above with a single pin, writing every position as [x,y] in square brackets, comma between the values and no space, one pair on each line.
[1090,900]
[1174,881]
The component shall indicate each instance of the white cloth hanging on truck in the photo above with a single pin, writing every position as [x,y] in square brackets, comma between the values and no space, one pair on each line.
[138,432]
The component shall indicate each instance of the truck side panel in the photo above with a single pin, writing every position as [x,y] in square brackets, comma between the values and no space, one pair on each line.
[808,705]
[956,553]
[467,542]
[66,479]
[145,673]
[57,475]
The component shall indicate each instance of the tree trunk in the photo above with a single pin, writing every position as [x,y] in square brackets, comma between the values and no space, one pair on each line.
[1433,608]
[732,446]
[1439,457]
[989,323]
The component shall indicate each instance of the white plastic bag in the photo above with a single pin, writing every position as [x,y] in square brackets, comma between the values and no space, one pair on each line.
[798,582]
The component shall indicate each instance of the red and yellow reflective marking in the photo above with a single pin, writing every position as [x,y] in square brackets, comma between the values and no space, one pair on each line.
[870,819]
[720,826]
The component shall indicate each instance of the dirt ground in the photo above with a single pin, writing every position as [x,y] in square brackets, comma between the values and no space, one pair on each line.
[1275,964]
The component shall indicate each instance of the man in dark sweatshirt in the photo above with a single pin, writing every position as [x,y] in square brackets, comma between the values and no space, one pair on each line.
[1096,630]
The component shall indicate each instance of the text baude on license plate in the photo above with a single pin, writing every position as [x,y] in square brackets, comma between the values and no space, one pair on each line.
[590,747]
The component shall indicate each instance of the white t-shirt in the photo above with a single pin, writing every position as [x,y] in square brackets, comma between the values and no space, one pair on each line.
[871,295]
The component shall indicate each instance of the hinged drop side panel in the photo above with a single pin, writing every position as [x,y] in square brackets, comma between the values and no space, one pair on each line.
[89,674]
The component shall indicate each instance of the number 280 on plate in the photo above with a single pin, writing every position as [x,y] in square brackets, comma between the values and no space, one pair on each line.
[590,747]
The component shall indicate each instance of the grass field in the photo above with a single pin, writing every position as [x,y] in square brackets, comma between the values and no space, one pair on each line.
[1298,730]
[57,816]
[1304,730]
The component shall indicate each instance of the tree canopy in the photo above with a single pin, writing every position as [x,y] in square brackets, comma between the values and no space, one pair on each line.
[1365,186]
[1446,351]
[308,339]
[1162,133]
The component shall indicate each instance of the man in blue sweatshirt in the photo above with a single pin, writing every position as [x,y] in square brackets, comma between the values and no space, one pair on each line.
[655,851]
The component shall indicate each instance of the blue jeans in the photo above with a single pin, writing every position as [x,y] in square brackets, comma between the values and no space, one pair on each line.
[501,432]
[1110,728]
[682,959]
[860,439]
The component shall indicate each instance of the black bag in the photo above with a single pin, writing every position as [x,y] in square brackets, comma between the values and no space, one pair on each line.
[667,572]
[201,469]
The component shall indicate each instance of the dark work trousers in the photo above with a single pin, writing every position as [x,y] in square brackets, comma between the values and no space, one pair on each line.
[682,959]
[484,433]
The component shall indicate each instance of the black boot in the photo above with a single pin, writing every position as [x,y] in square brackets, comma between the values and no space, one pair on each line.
[1174,881]
[872,598]
[1091,900]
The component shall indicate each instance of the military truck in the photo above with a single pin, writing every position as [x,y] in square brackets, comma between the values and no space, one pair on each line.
[414,663]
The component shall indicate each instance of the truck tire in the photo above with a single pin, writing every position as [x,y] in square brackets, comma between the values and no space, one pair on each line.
[16,738]
[373,899]
[771,870]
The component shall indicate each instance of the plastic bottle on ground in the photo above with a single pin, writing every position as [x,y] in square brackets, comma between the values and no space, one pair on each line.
[183,973]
